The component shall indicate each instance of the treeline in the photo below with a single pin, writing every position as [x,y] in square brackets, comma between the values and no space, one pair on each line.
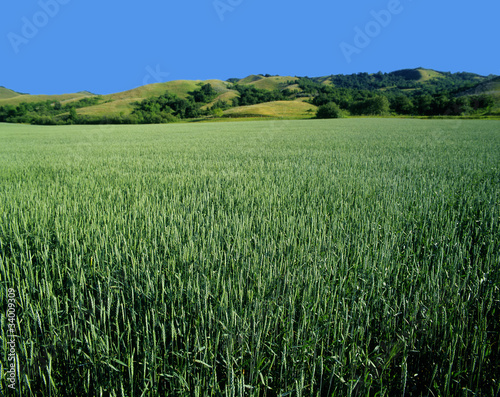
[250,95]
[169,107]
[396,93]
[403,80]
[46,112]
[384,102]
[441,105]
[162,109]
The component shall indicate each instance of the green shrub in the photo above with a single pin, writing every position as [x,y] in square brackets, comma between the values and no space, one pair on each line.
[330,111]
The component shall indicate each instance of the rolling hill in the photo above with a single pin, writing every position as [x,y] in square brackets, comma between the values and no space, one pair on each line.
[20,98]
[405,80]
[275,109]
[269,83]
[489,87]
[122,102]
[5,93]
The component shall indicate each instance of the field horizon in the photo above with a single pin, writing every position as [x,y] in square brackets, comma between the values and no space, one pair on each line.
[122,104]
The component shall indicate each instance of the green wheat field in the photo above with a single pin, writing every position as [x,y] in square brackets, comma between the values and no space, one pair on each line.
[353,257]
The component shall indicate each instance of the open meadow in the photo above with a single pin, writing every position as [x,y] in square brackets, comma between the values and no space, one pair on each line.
[268,258]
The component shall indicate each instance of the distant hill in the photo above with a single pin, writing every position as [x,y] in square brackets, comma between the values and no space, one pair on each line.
[428,80]
[489,87]
[5,93]
[418,75]
[122,102]
[268,83]
[276,109]
[19,98]
[410,82]
[87,93]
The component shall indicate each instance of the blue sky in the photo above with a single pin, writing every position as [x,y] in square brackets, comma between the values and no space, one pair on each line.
[62,46]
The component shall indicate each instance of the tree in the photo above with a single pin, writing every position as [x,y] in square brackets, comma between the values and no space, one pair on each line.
[205,94]
[329,111]
[461,106]
[440,105]
[376,106]
[423,104]
[402,105]
[379,106]
[217,112]
[73,117]
[482,101]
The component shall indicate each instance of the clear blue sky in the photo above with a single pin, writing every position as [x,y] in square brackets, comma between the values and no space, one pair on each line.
[105,46]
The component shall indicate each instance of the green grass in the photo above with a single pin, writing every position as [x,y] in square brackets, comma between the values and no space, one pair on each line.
[300,258]
[63,98]
[276,109]
[273,83]
[428,74]
[489,87]
[5,93]
[122,102]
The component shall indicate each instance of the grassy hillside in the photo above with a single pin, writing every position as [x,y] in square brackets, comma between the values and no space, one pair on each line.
[224,97]
[418,75]
[268,83]
[490,87]
[5,93]
[64,98]
[280,109]
[407,81]
[251,79]
[113,108]
[122,102]
[178,87]
[428,74]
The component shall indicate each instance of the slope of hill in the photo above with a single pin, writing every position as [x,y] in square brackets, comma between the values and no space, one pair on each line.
[410,82]
[268,83]
[489,87]
[122,102]
[5,93]
[279,109]
[421,79]
[418,74]
[64,98]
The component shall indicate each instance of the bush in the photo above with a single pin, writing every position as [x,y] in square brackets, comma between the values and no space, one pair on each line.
[376,106]
[330,111]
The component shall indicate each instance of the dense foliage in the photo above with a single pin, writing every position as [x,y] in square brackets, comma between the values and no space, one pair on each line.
[329,111]
[46,112]
[361,99]
[169,107]
[162,109]
[397,93]
[249,95]
[405,79]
